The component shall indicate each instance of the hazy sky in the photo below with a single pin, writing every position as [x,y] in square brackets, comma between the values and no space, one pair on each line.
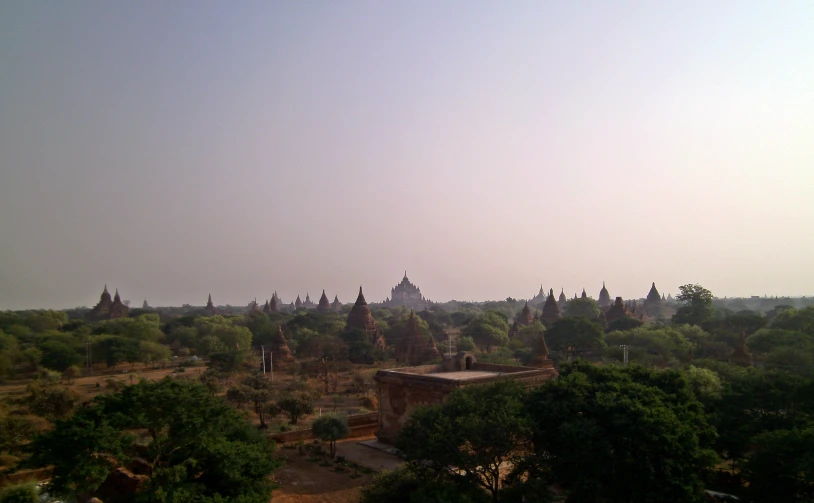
[172,149]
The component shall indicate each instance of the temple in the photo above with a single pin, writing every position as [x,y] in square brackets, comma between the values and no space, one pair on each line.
[414,348]
[308,304]
[539,299]
[118,309]
[279,347]
[401,390]
[273,304]
[298,303]
[654,302]
[621,310]
[406,294]
[324,305]
[551,311]
[584,294]
[144,305]
[562,300]
[360,318]
[604,298]
[107,309]
[336,305]
[210,310]
[741,356]
[525,317]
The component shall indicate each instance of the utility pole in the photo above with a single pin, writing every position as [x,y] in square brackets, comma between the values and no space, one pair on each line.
[263,356]
[271,365]
[88,358]
[450,346]
[624,352]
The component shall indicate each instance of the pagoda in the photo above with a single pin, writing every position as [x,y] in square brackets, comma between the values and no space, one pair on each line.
[360,318]
[620,310]
[604,297]
[653,302]
[279,347]
[551,311]
[297,303]
[414,348]
[584,294]
[525,317]
[324,304]
[117,308]
[266,308]
[101,310]
[741,356]
[336,305]
[562,300]
[209,310]
[540,358]
[308,304]
[406,294]
[144,305]
[538,299]
[273,304]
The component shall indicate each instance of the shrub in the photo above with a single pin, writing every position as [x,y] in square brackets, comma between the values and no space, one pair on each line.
[20,493]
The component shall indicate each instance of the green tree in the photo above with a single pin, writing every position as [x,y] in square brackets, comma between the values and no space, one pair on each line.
[620,434]
[20,493]
[198,448]
[260,394]
[781,468]
[488,330]
[50,400]
[330,428]
[575,334]
[473,436]
[587,308]
[58,355]
[697,306]
[403,485]
[624,323]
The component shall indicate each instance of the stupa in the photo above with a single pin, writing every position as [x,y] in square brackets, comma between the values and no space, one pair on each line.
[604,297]
[360,318]
[406,294]
[551,311]
[324,304]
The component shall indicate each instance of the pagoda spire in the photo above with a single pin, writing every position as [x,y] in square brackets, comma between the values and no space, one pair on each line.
[360,300]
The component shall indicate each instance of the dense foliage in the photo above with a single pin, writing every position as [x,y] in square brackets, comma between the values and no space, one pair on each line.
[191,445]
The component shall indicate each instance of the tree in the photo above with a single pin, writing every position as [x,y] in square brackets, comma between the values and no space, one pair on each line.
[260,394]
[295,406]
[587,308]
[20,493]
[197,447]
[239,395]
[620,434]
[47,399]
[781,468]
[71,373]
[403,485]
[624,323]
[488,330]
[58,355]
[697,306]
[574,334]
[330,428]
[470,437]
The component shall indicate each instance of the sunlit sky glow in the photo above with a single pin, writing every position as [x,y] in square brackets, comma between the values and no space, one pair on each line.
[173,149]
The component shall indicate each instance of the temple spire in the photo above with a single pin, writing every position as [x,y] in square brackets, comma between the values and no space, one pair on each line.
[360,300]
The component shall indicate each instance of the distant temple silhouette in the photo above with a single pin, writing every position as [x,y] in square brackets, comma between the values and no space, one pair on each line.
[406,294]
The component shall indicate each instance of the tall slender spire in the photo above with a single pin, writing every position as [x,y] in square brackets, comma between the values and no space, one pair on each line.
[360,300]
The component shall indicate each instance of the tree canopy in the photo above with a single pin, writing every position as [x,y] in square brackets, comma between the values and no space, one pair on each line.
[196,447]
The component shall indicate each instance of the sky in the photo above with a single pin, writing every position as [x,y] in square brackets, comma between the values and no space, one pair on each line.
[177,149]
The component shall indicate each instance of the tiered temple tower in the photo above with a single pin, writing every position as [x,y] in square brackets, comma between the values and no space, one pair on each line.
[324,304]
[360,318]
[209,310]
[562,300]
[298,303]
[274,304]
[551,311]
[604,297]
[308,304]
[406,294]
[118,309]
[101,310]
[336,305]
[525,317]
[415,349]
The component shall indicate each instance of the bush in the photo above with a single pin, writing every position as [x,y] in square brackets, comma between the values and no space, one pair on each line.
[20,493]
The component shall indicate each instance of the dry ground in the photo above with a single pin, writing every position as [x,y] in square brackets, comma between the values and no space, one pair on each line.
[303,481]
